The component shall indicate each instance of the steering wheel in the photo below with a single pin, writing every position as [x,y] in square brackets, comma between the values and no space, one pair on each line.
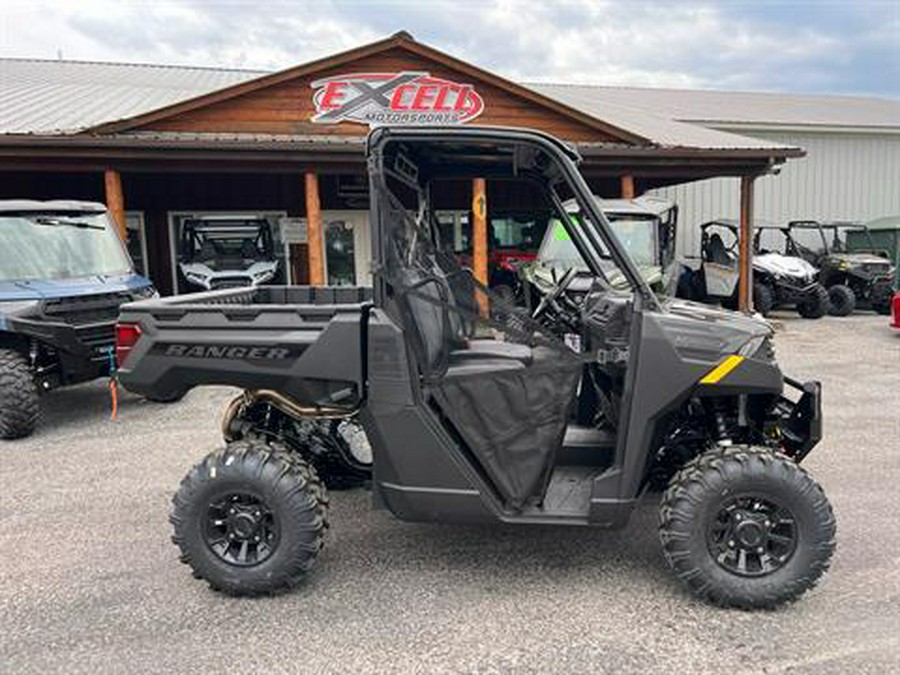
[550,300]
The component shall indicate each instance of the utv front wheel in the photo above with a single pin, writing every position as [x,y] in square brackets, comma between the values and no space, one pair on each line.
[816,305]
[250,519]
[746,527]
[842,300]
[763,299]
[19,404]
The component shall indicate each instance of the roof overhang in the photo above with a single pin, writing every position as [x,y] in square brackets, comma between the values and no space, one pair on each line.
[231,153]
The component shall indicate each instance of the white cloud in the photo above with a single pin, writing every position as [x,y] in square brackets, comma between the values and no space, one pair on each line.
[676,44]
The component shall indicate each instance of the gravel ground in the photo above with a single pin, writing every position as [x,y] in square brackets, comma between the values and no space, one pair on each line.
[89,581]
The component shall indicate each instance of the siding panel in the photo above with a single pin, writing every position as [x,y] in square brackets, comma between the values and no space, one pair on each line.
[845,176]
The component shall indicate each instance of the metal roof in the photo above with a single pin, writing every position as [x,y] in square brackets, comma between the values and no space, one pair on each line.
[51,205]
[51,97]
[59,97]
[735,109]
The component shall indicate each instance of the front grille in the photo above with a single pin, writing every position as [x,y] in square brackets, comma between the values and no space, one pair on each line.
[229,282]
[99,338]
[88,309]
[874,269]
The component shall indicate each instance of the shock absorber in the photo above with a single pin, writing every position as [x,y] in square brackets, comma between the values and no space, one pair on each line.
[720,422]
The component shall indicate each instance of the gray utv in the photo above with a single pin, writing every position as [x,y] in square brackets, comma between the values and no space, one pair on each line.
[479,412]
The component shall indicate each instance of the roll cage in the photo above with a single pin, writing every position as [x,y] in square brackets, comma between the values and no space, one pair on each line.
[499,153]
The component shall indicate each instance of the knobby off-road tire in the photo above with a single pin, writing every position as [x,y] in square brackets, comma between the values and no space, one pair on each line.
[763,299]
[882,296]
[788,533]
[842,300]
[171,398]
[816,306]
[250,518]
[19,403]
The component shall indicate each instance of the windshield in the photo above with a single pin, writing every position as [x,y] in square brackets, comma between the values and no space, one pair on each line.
[59,246]
[636,234]
[210,243]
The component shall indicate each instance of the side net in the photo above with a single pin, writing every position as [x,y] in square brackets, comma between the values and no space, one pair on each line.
[506,384]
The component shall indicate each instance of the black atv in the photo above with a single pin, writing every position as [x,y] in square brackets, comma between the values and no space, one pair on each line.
[477,412]
[854,279]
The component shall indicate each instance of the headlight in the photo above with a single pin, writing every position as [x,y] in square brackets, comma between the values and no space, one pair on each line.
[759,348]
[843,265]
[145,292]
[16,306]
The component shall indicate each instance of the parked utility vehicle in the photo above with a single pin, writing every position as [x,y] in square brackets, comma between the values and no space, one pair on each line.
[778,279]
[787,277]
[854,279]
[646,226]
[64,273]
[469,406]
[227,252]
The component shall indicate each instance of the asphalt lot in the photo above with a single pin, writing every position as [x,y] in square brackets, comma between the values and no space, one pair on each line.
[89,581]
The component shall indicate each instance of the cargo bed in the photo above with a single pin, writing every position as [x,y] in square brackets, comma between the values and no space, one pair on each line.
[306,342]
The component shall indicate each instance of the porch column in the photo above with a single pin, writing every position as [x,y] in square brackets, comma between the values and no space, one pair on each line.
[480,237]
[115,201]
[314,230]
[628,186]
[745,246]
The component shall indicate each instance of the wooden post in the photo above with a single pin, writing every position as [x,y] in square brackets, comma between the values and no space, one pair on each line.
[628,186]
[314,230]
[480,237]
[115,201]
[745,246]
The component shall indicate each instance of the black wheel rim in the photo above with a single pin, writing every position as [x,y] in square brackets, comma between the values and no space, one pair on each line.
[241,529]
[752,536]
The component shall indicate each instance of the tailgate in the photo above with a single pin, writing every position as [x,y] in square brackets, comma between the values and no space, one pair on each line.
[306,343]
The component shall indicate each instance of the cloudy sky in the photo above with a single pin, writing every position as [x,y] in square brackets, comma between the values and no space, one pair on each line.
[822,46]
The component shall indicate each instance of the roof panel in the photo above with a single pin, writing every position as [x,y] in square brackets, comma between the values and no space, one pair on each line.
[722,108]
[52,97]
[45,97]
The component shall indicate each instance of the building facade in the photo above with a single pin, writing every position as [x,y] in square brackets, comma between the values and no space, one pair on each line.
[163,145]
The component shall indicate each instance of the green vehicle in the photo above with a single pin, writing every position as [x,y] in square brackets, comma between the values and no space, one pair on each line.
[861,277]
[646,226]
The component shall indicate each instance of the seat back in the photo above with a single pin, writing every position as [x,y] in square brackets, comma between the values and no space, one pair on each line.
[716,251]
[423,299]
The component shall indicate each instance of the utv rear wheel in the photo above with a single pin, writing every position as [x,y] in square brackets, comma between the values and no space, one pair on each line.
[763,299]
[816,305]
[842,300]
[19,404]
[746,527]
[250,518]
[170,398]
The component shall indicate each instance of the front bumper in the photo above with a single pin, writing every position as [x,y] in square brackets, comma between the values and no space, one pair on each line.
[801,419]
[83,350]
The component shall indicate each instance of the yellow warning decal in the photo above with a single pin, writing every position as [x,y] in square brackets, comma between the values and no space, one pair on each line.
[721,370]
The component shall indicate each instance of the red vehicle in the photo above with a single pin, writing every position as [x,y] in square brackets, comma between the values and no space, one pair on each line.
[513,240]
[895,311]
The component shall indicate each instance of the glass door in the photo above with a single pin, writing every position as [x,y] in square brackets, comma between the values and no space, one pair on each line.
[347,247]
[340,252]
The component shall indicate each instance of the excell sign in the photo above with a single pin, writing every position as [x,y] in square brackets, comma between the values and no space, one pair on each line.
[394,98]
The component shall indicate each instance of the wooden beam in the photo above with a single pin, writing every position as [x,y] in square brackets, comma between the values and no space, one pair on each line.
[480,238]
[479,230]
[745,247]
[115,200]
[627,186]
[314,230]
